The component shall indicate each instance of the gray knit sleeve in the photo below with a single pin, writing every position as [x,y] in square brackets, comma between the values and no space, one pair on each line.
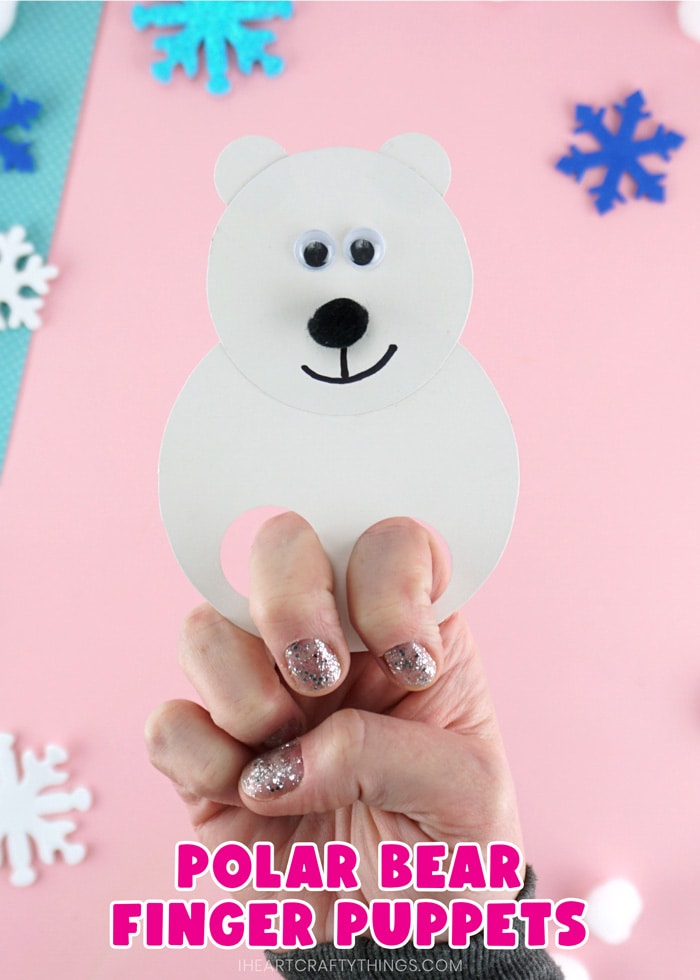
[368,961]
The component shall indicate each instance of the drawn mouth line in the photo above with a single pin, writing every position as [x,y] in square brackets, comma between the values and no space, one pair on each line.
[345,377]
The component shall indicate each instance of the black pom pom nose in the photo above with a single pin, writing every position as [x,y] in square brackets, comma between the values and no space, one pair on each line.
[339,323]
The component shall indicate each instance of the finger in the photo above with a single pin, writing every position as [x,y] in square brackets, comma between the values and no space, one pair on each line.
[237,680]
[438,778]
[202,760]
[292,604]
[394,573]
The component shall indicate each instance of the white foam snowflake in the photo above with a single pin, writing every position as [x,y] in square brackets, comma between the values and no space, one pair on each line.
[8,10]
[23,280]
[23,807]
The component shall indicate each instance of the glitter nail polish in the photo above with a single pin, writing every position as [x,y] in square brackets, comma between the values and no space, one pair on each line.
[411,664]
[274,773]
[312,664]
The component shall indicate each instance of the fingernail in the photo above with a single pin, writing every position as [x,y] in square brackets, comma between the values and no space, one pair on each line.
[312,664]
[411,664]
[288,731]
[274,773]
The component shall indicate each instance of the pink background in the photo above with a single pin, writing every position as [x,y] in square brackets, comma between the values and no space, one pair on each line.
[588,326]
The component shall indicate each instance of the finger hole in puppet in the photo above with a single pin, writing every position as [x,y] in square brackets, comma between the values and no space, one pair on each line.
[237,544]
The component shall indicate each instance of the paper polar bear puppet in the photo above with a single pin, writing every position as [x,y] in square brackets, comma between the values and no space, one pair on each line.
[339,283]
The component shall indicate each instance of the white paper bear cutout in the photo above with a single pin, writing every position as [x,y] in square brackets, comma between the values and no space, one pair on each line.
[339,282]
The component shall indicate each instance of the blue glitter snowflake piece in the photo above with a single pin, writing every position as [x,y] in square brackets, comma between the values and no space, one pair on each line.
[619,153]
[14,154]
[213,25]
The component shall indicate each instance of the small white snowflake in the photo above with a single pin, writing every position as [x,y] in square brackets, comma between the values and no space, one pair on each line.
[23,807]
[8,10]
[23,275]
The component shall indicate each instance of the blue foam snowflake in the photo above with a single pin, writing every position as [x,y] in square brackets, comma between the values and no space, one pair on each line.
[213,25]
[620,153]
[15,154]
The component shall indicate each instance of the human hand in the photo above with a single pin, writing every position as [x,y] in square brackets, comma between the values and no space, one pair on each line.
[399,742]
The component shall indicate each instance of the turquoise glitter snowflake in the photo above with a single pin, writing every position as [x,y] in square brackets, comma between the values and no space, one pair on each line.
[619,152]
[214,25]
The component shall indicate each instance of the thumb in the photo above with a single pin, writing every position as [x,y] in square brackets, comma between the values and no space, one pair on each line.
[400,766]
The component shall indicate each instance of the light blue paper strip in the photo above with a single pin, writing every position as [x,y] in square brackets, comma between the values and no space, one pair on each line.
[45,57]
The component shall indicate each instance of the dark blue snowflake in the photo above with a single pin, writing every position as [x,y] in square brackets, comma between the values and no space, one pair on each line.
[213,25]
[15,154]
[619,152]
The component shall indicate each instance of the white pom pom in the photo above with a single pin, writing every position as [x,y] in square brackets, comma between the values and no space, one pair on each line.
[689,18]
[571,968]
[613,909]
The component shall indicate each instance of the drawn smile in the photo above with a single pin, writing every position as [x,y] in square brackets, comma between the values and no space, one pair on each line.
[345,377]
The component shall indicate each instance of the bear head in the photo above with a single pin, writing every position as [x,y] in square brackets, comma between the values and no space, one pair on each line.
[339,279]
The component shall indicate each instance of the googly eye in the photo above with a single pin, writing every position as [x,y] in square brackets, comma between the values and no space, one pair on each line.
[364,247]
[314,249]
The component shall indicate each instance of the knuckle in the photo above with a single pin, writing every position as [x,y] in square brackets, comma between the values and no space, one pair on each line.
[209,780]
[159,729]
[404,528]
[200,625]
[392,525]
[285,614]
[392,572]
[387,616]
[269,610]
[246,720]
[281,529]
[353,755]
[348,734]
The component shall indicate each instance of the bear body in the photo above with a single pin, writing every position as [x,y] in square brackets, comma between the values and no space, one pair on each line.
[339,282]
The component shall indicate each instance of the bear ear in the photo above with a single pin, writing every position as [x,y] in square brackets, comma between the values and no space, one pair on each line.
[242,160]
[424,155]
